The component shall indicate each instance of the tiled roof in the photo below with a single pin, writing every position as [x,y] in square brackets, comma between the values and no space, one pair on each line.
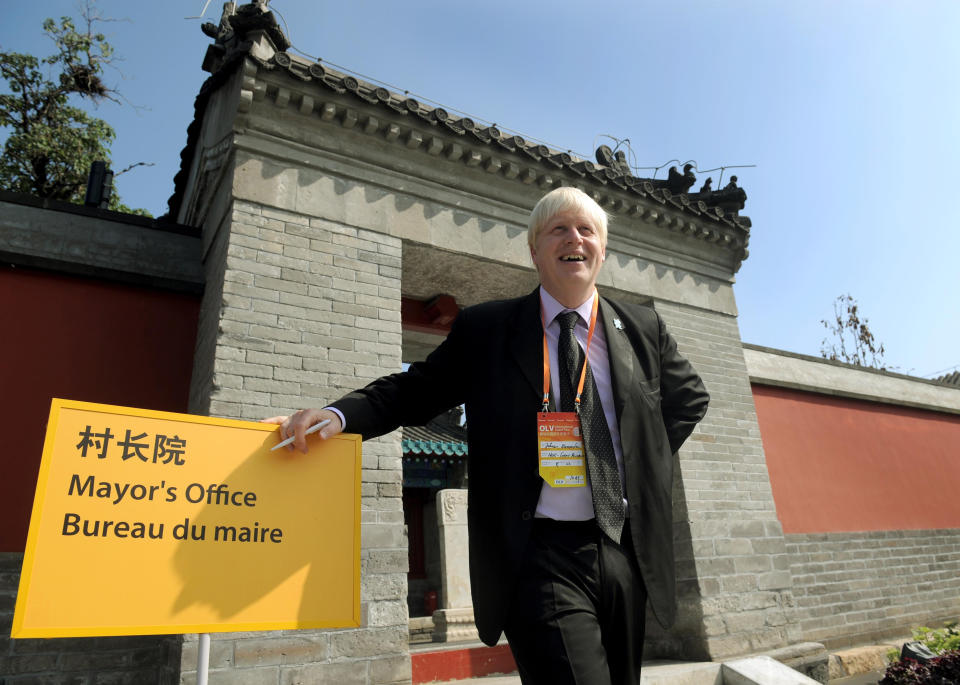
[431,447]
[719,205]
[442,436]
[950,379]
[516,158]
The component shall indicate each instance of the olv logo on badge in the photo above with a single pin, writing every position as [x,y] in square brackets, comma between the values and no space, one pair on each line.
[560,449]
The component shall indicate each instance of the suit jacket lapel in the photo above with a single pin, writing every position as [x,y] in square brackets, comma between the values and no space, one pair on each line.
[526,345]
[621,356]
[623,365]
[526,341]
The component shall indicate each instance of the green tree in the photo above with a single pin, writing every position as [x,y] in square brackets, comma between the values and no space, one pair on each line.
[853,342]
[51,141]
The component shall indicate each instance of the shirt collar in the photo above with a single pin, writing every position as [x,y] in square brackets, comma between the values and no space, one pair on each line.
[551,307]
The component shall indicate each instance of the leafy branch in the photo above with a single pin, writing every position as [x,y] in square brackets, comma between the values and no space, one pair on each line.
[852,340]
[51,141]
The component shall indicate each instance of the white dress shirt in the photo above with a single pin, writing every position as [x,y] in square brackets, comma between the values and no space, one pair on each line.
[576,504]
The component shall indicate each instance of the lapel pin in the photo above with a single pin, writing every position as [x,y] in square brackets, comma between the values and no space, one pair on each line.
[618,324]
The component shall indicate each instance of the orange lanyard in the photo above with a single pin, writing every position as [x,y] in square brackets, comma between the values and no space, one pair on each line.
[583,369]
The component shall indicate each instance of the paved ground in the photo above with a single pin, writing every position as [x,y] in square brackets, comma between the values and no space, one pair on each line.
[854,658]
[862,679]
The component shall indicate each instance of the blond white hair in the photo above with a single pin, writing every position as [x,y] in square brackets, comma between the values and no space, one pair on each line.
[561,200]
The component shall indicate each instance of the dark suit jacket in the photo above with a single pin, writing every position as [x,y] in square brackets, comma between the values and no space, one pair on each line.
[492,361]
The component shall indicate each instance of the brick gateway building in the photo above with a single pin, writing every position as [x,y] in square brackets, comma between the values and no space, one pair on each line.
[308,206]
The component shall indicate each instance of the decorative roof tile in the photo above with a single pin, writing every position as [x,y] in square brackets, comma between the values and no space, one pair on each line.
[439,448]
[442,436]
[950,379]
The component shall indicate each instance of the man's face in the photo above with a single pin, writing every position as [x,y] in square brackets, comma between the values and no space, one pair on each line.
[568,254]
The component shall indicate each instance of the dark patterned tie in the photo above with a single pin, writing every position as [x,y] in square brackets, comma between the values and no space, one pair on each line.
[601,461]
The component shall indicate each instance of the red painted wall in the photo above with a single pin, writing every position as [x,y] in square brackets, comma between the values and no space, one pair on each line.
[80,339]
[840,464]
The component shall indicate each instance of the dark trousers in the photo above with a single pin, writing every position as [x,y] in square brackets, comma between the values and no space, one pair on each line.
[579,614]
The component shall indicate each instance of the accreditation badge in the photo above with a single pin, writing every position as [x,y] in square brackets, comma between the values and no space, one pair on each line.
[560,447]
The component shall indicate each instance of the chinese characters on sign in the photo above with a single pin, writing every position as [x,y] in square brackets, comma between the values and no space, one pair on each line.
[166,449]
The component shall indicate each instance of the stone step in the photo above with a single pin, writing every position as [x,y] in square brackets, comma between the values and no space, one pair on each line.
[494,666]
[439,662]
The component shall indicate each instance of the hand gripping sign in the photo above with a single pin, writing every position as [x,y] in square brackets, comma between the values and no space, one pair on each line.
[148,522]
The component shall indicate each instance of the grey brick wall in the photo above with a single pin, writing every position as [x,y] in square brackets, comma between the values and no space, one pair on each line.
[140,660]
[208,324]
[734,584]
[854,588]
[299,310]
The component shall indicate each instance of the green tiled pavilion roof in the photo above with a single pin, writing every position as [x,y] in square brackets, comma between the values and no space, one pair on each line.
[442,437]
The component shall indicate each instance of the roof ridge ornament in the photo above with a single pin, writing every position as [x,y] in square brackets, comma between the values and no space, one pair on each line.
[241,28]
[729,200]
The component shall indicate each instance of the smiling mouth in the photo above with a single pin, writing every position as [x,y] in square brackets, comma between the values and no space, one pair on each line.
[573,258]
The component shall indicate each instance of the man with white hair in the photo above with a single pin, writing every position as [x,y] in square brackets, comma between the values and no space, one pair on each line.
[570,463]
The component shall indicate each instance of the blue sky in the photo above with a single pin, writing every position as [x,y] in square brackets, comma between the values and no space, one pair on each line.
[848,108]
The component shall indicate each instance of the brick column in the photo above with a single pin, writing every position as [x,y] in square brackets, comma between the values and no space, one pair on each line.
[297,311]
[734,581]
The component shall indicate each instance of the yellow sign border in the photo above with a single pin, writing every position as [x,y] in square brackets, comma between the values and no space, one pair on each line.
[56,404]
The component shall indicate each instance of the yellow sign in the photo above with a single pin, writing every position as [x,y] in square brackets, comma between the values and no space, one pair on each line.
[148,522]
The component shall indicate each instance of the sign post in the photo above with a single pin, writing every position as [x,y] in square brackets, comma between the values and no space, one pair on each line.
[138,514]
[203,659]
